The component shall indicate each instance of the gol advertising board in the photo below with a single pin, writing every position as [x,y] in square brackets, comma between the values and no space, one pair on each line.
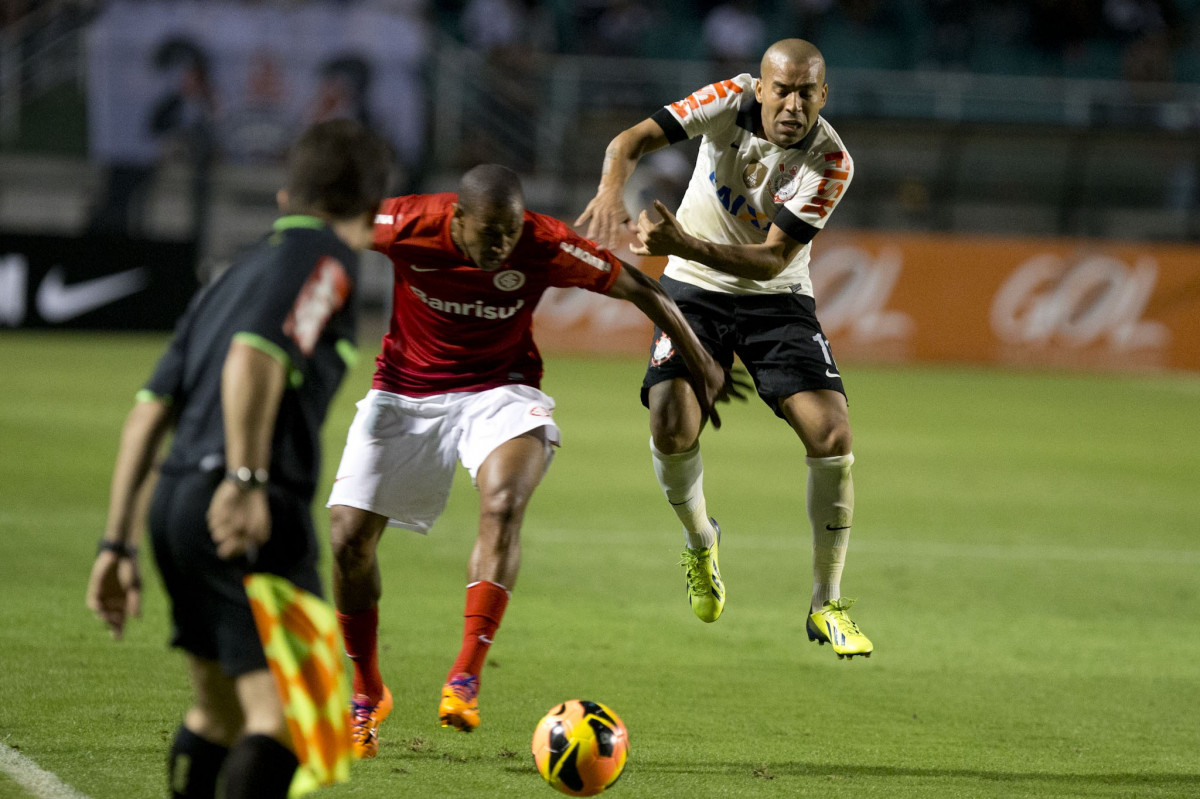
[94,282]
[907,298]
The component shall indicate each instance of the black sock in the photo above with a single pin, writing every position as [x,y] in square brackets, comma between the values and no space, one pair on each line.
[259,767]
[193,765]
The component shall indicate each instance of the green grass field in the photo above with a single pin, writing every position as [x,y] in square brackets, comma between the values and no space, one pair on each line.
[1024,555]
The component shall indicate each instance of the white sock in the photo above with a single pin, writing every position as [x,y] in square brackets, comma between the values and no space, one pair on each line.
[831,512]
[682,479]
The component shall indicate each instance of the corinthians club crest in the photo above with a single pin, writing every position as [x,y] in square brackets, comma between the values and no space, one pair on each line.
[662,351]
[784,183]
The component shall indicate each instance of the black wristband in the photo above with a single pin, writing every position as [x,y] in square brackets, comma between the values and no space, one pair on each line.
[122,550]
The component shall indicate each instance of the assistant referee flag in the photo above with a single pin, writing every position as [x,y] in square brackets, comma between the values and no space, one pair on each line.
[300,637]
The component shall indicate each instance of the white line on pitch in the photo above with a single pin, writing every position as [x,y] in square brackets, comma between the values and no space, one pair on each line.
[897,548]
[30,776]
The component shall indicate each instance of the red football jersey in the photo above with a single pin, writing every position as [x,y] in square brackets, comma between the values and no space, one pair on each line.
[457,328]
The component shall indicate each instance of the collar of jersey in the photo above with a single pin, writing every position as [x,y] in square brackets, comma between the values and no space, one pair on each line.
[751,112]
[299,220]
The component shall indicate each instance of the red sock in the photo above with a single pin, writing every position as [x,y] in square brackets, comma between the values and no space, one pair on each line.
[359,631]
[486,602]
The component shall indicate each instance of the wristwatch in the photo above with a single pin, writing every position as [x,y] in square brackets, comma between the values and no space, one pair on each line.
[247,479]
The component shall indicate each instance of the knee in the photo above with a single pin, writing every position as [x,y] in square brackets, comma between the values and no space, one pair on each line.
[672,441]
[835,440]
[503,510]
[352,544]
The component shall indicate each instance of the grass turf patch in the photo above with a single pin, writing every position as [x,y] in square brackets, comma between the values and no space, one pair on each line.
[1024,557]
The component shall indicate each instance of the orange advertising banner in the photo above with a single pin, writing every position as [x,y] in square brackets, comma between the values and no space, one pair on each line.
[917,298]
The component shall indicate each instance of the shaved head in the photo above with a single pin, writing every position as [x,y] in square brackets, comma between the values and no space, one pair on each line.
[792,90]
[795,51]
[490,187]
[489,215]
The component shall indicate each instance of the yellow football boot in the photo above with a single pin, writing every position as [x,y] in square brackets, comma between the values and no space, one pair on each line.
[833,624]
[706,592]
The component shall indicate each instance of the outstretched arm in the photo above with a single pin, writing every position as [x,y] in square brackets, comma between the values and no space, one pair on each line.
[114,590]
[754,261]
[710,381]
[606,214]
[252,384]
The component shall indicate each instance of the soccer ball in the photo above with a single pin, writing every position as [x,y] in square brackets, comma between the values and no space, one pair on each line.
[580,747]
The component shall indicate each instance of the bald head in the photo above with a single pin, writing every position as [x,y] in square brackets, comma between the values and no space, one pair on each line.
[488,188]
[793,51]
[791,89]
[489,215]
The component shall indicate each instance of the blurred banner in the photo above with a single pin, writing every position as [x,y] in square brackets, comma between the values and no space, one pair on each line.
[242,80]
[94,282]
[909,298]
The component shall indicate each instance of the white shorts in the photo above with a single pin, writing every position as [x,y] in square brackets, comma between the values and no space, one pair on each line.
[400,452]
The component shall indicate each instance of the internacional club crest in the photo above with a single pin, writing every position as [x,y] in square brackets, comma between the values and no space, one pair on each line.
[784,183]
[509,280]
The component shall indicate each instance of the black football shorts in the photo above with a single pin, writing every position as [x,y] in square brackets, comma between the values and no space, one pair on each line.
[776,336]
[209,608]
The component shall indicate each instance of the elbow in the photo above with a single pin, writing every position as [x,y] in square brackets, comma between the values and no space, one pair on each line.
[776,259]
[771,269]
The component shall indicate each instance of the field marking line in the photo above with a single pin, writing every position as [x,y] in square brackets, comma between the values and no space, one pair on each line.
[898,548]
[33,778]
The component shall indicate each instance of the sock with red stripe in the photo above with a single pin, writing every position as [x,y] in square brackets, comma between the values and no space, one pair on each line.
[360,633]
[486,602]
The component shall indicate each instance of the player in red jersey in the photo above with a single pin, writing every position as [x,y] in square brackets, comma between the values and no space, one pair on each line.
[458,380]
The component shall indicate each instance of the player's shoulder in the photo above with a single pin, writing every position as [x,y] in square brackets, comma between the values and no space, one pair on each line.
[827,140]
[552,239]
[407,207]
[546,228]
[713,104]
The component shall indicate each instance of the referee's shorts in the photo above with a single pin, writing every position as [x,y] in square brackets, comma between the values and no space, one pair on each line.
[209,608]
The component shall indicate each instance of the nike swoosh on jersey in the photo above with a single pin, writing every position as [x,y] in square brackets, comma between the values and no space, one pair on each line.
[58,302]
[423,268]
[831,374]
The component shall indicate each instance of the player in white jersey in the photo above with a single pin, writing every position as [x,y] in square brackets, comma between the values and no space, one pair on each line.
[769,172]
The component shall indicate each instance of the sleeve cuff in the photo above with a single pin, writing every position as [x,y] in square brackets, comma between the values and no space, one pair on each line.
[795,227]
[670,125]
[264,345]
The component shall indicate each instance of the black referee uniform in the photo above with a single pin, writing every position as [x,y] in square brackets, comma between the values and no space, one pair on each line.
[279,297]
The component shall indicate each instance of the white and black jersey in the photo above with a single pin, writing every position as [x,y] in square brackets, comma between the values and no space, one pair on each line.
[743,184]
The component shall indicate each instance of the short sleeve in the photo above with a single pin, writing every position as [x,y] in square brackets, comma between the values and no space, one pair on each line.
[307,290]
[704,110]
[388,220]
[583,263]
[166,382]
[819,192]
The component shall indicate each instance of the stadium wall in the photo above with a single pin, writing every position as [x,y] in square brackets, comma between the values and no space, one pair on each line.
[890,298]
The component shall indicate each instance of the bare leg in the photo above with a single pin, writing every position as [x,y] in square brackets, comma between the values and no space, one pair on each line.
[506,483]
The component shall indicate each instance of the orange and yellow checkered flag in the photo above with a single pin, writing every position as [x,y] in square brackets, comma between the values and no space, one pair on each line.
[300,636]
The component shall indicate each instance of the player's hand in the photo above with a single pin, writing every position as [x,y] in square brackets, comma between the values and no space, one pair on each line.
[720,385]
[239,521]
[114,591]
[659,238]
[608,221]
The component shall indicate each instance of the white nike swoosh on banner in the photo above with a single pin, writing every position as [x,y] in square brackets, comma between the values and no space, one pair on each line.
[57,302]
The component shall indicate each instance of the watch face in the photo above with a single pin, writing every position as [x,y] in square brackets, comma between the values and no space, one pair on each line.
[247,478]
